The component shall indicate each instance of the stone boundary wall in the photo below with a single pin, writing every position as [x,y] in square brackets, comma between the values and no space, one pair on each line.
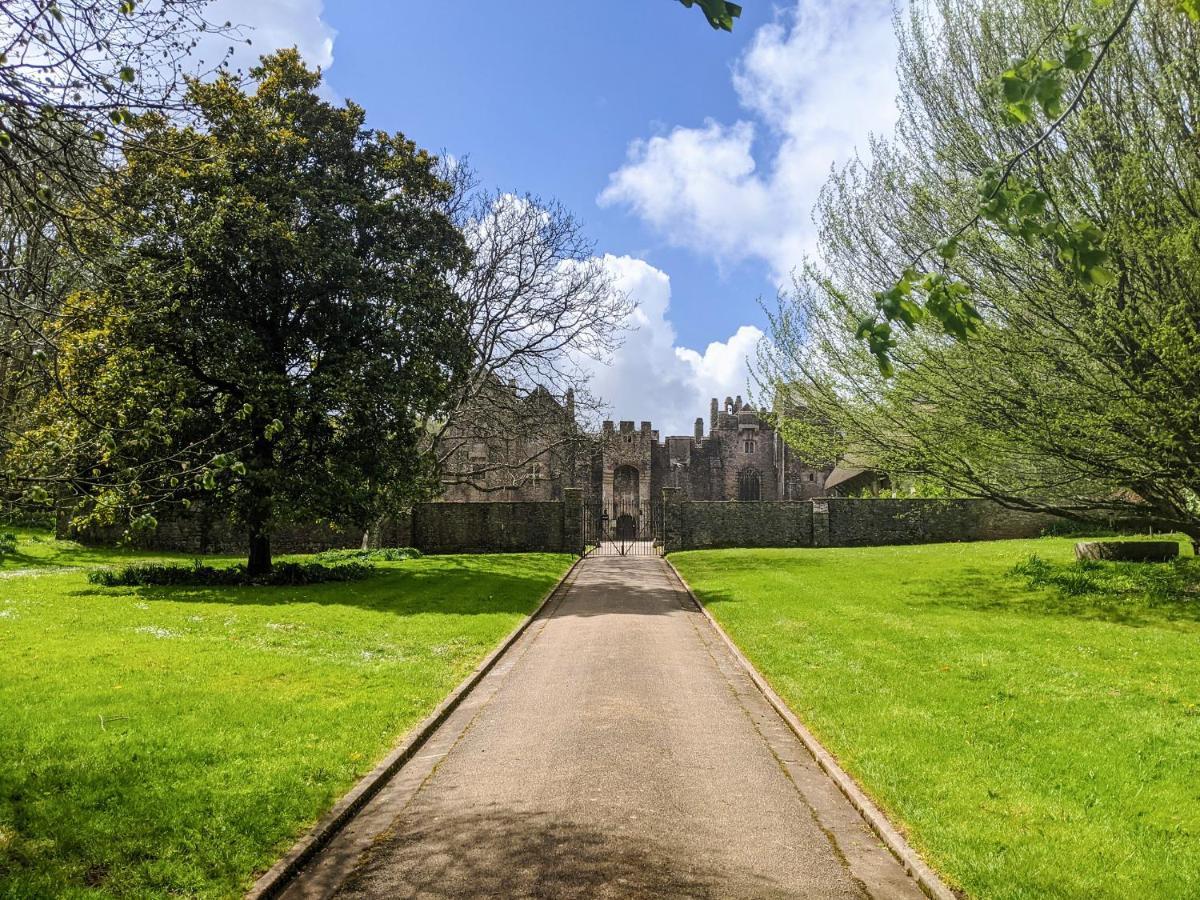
[497,527]
[555,526]
[866,523]
[501,527]
[698,525]
[201,534]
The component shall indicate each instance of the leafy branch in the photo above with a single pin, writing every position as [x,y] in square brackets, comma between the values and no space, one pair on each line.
[1007,202]
[719,13]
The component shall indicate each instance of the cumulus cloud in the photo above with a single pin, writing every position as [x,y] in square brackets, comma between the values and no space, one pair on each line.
[813,84]
[271,25]
[651,377]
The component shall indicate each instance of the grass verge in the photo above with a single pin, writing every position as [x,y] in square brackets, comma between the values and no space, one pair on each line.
[1035,729]
[174,741]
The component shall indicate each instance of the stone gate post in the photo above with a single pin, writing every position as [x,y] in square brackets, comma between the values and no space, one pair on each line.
[672,513]
[572,525]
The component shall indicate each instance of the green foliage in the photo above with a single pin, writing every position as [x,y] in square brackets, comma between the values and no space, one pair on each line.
[271,323]
[1175,583]
[8,544]
[1005,727]
[381,554]
[720,13]
[1029,84]
[1051,357]
[198,574]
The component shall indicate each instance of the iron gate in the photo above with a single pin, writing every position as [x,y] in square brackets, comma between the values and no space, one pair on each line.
[623,527]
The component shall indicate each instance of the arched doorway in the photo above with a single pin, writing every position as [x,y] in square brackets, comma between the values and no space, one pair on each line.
[749,485]
[626,486]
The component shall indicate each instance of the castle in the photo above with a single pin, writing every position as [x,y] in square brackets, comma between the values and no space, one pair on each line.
[739,456]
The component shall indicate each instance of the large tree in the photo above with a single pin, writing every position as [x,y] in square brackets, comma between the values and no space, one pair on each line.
[1075,394]
[273,320]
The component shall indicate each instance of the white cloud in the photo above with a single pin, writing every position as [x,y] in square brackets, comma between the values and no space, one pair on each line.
[652,378]
[816,82]
[271,25]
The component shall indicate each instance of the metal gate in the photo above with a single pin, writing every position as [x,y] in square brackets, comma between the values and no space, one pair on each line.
[624,527]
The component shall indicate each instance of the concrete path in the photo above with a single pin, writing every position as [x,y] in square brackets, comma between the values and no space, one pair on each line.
[617,750]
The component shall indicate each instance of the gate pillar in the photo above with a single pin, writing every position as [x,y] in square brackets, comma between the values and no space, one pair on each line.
[672,520]
[572,524]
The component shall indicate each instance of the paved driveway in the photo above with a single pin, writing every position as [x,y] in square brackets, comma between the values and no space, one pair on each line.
[617,750]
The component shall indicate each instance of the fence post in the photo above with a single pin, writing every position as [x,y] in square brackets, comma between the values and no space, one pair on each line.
[572,526]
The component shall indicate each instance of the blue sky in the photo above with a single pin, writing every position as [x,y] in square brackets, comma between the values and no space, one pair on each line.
[692,156]
[549,103]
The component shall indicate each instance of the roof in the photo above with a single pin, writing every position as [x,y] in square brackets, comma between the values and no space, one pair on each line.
[842,474]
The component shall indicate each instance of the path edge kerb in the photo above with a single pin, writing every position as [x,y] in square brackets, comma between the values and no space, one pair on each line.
[926,878]
[273,882]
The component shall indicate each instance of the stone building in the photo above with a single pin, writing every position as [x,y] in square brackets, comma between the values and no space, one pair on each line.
[516,447]
[736,455]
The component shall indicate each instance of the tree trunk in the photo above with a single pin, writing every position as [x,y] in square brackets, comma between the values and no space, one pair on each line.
[259,562]
[261,506]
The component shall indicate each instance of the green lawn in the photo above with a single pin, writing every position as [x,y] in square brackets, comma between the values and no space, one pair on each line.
[158,742]
[1031,741]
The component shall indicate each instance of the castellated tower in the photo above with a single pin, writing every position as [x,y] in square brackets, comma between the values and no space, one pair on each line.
[740,458]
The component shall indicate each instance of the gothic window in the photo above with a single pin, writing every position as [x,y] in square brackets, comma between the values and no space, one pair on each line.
[749,485]
[812,476]
[749,445]
[535,472]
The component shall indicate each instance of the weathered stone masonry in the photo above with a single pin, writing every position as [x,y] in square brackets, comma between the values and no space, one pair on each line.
[555,526]
[696,525]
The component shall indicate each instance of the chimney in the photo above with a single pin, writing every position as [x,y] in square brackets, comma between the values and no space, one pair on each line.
[570,402]
[713,409]
[699,432]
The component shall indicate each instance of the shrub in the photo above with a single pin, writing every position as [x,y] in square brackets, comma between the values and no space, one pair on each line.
[8,544]
[285,574]
[383,554]
[1177,581]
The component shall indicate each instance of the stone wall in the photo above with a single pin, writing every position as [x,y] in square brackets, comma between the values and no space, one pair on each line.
[873,522]
[202,534]
[697,525]
[492,527]
[499,527]
[554,526]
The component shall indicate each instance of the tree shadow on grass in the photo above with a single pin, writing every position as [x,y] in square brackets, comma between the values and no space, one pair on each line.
[448,589]
[456,585]
[1115,601]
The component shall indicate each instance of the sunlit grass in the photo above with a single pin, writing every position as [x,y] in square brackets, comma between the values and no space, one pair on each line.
[1034,736]
[158,742]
